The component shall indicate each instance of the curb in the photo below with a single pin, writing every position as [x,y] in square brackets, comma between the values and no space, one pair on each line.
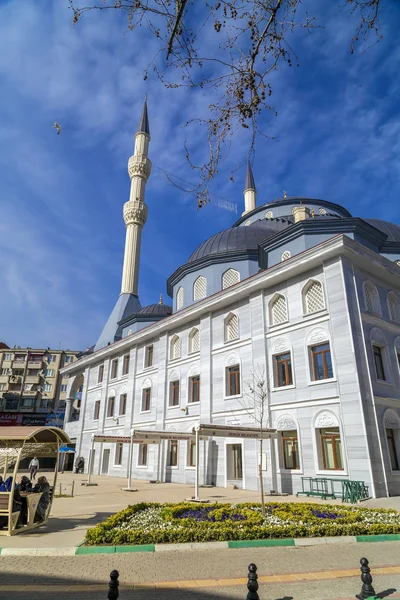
[283,542]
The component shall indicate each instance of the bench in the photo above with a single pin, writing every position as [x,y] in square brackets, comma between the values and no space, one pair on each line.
[324,487]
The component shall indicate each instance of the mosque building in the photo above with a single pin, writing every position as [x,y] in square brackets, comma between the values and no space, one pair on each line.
[299,300]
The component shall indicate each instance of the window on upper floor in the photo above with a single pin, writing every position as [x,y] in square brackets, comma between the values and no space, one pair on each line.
[8,356]
[321,362]
[64,387]
[111,406]
[278,310]
[125,365]
[48,387]
[231,327]
[230,277]
[313,297]
[194,341]
[371,298]
[69,358]
[283,369]
[175,348]
[393,307]
[146,399]
[49,373]
[200,288]
[174,393]
[100,374]
[179,298]
[378,361]
[232,380]
[122,404]
[51,358]
[114,369]
[148,356]
[194,389]
[96,412]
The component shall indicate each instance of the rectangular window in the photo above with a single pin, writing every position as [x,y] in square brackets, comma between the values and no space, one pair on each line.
[51,358]
[122,404]
[174,393]
[64,387]
[194,389]
[148,356]
[114,368]
[49,373]
[2,386]
[69,358]
[8,356]
[233,380]
[48,387]
[321,362]
[110,406]
[394,461]
[283,370]
[146,399]
[331,449]
[118,454]
[290,450]
[96,413]
[125,366]
[5,372]
[172,458]
[100,374]
[378,359]
[142,456]
[191,454]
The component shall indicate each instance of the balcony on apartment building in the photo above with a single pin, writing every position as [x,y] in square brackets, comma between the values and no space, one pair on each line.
[32,379]
[35,363]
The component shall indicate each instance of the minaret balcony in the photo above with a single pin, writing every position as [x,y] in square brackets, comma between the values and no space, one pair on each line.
[139,166]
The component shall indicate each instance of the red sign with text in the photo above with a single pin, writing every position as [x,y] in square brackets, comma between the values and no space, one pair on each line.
[10,419]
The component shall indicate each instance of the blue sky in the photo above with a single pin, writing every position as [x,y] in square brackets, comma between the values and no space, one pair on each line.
[62,231]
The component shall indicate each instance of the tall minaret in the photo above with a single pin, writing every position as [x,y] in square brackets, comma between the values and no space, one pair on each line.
[135,210]
[135,215]
[249,191]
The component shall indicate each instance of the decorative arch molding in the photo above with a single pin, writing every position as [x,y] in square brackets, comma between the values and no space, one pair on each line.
[232,359]
[174,375]
[111,393]
[377,336]
[391,419]
[172,428]
[192,426]
[146,383]
[194,370]
[123,390]
[286,422]
[317,335]
[313,296]
[281,345]
[326,418]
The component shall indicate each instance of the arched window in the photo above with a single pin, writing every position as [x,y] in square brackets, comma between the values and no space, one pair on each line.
[313,297]
[194,340]
[230,277]
[393,306]
[200,288]
[231,327]
[279,312]
[179,299]
[175,349]
[371,298]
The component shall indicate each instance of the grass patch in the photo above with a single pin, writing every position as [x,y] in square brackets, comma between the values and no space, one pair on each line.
[153,523]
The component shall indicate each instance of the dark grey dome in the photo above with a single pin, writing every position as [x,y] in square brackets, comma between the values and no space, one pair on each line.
[390,229]
[156,310]
[239,239]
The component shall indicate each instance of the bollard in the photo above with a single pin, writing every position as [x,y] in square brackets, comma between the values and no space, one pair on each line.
[367,591]
[113,592]
[252,583]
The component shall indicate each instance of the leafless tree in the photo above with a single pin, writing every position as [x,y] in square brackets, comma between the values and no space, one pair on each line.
[256,404]
[253,40]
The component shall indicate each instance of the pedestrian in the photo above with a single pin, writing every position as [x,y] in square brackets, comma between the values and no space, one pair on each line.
[34,467]
[42,486]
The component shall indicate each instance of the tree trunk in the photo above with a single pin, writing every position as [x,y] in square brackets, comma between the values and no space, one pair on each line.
[260,472]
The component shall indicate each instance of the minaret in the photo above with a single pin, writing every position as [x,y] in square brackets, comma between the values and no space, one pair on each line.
[135,215]
[249,191]
[135,210]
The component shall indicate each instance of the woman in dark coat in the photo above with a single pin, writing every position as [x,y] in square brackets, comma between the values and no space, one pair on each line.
[42,486]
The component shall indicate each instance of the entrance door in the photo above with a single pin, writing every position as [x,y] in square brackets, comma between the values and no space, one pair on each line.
[106,462]
[234,464]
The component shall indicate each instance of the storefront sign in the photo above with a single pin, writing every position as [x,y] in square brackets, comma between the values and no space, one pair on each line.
[38,420]
[10,419]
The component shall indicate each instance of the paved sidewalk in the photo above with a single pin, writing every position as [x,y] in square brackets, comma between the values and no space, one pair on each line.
[71,517]
[314,573]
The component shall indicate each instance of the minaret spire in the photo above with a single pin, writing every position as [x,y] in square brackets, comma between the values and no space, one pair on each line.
[135,210]
[249,191]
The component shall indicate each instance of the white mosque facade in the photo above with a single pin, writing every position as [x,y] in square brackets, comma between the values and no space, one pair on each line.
[297,293]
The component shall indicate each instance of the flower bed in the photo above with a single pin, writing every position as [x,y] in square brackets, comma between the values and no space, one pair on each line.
[152,523]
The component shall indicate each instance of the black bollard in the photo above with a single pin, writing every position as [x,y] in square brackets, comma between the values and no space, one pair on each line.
[252,584]
[367,591]
[113,592]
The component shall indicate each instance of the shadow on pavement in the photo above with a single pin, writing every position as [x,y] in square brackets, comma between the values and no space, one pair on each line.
[59,524]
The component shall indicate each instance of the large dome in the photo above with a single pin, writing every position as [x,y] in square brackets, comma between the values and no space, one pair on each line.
[390,229]
[239,239]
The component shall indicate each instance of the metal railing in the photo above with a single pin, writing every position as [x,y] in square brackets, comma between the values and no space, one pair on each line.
[367,591]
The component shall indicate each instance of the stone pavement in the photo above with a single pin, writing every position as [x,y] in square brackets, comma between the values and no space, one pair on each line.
[70,517]
[312,573]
